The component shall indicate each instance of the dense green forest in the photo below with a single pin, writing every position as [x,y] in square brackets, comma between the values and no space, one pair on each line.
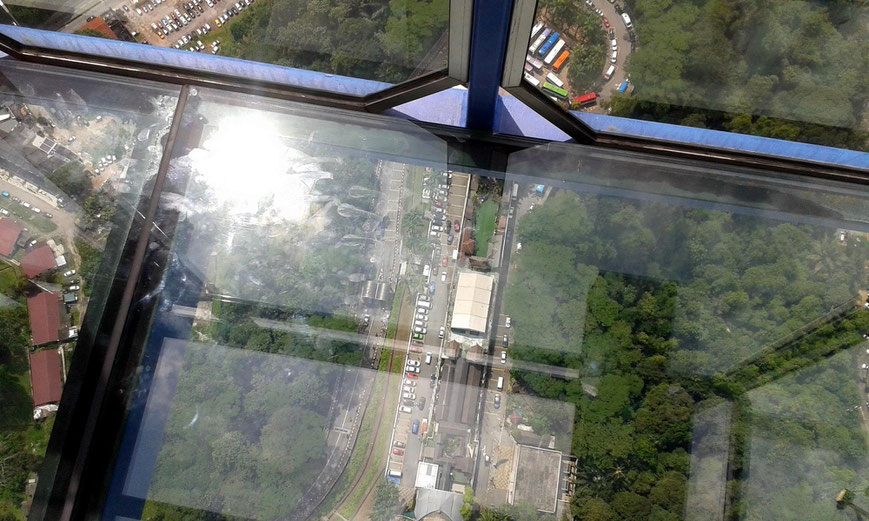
[374,39]
[692,329]
[244,435]
[791,70]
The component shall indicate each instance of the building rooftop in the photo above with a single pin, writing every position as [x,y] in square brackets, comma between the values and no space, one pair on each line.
[99,25]
[38,260]
[44,312]
[438,505]
[45,377]
[471,308]
[9,232]
[538,472]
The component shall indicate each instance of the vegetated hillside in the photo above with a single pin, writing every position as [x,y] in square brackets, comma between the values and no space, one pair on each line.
[791,70]
[683,320]
[374,39]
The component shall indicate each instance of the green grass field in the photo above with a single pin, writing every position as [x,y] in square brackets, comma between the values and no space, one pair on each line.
[28,218]
[485,226]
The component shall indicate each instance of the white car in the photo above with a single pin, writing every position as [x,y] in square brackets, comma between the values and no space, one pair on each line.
[406,409]
[411,369]
[441,332]
[420,330]
[444,276]
[74,287]
[507,322]
[503,357]
[69,273]
[414,363]
[409,382]
[409,396]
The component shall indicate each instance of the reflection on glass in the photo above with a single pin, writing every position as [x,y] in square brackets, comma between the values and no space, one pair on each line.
[782,70]
[389,41]
[75,155]
[343,328]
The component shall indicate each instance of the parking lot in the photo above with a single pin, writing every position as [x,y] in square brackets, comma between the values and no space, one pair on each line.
[181,24]
[431,311]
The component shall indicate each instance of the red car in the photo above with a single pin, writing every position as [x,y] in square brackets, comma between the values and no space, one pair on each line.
[398,452]
[414,349]
[412,375]
[457,225]
[606,23]
[444,261]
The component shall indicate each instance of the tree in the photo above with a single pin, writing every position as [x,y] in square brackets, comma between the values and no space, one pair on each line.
[469,504]
[631,507]
[387,502]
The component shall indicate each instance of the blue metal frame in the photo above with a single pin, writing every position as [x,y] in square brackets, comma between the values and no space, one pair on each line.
[489,33]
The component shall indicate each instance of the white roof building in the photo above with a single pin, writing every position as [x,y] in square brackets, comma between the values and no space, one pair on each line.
[471,307]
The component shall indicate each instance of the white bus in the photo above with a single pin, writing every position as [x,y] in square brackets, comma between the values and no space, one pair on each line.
[551,78]
[532,80]
[554,53]
[536,29]
[539,41]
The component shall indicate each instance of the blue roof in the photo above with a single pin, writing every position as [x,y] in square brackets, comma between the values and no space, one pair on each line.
[195,61]
[729,140]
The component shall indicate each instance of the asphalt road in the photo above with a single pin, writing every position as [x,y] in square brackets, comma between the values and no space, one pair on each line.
[438,316]
[624,48]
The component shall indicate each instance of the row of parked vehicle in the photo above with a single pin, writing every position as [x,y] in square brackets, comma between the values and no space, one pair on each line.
[146,7]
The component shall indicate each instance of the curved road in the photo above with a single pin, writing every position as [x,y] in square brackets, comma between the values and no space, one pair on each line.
[624,42]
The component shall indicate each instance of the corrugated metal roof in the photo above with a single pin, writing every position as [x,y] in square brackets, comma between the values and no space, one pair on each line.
[45,377]
[9,232]
[44,312]
[432,501]
[37,261]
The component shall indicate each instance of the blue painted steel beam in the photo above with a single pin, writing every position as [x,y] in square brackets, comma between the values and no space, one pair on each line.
[489,33]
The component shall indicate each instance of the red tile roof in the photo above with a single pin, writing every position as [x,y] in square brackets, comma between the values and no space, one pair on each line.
[9,232]
[45,377]
[99,25]
[44,311]
[38,260]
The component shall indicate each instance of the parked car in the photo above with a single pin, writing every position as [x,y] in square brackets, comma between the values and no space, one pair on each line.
[4,194]
[398,452]
[498,401]
[507,322]
[74,287]
[399,444]
[412,375]
[415,427]
[421,403]
[69,273]
[405,409]
[414,363]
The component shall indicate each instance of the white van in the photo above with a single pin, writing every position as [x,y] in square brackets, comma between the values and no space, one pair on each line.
[614,44]
[614,56]
[627,20]
[426,270]
[500,383]
[609,72]
[455,254]
[428,358]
